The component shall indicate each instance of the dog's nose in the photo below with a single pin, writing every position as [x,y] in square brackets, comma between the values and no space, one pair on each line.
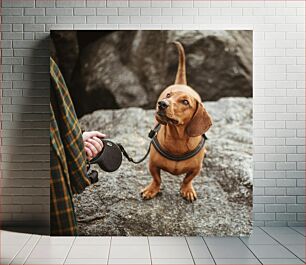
[162,105]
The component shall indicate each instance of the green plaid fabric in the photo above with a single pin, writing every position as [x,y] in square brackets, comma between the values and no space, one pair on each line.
[67,156]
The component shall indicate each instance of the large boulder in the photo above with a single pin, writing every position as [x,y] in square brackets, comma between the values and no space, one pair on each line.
[113,206]
[119,69]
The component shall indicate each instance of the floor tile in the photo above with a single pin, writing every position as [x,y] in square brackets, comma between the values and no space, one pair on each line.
[259,239]
[58,240]
[45,261]
[172,261]
[88,252]
[279,230]
[298,250]
[161,240]
[24,253]
[203,261]
[290,239]
[257,231]
[12,238]
[222,240]
[199,251]
[170,252]
[10,251]
[271,251]
[92,240]
[299,229]
[124,240]
[49,252]
[195,240]
[17,261]
[86,261]
[237,261]
[164,250]
[281,261]
[129,252]
[231,252]
[130,261]
[4,261]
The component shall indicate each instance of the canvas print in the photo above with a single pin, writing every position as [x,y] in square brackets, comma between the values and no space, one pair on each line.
[151,133]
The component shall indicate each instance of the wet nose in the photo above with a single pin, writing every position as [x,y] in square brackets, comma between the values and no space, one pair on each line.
[162,105]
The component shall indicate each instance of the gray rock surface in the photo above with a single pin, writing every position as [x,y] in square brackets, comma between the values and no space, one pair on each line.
[113,206]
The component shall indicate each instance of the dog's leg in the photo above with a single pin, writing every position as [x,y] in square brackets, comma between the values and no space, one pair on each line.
[187,190]
[153,188]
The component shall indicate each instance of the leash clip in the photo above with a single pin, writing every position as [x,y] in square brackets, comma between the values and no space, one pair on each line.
[151,133]
[154,131]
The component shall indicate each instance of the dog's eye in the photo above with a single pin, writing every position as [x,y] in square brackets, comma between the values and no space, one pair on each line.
[168,95]
[185,102]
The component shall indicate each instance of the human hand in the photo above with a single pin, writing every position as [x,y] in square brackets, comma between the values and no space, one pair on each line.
[92,143]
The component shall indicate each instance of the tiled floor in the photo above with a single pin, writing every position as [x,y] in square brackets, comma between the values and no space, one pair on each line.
[267,245]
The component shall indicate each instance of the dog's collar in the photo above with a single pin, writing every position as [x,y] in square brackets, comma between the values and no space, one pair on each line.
[156,144]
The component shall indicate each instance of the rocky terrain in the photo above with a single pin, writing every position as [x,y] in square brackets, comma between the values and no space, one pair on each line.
[113,206]
[120,69]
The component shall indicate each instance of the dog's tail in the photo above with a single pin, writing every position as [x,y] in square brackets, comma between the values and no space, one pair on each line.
[181,70]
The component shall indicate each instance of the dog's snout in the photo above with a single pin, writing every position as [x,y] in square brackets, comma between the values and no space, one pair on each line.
[162,105]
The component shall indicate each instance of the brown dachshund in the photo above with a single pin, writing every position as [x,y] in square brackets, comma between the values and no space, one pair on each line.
[183,120]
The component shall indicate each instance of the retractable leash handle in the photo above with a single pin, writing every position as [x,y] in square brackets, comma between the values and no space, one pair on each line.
[110,158]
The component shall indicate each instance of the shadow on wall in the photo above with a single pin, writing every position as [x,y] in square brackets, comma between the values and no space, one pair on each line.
[26,148]
[43,230]
[119,69]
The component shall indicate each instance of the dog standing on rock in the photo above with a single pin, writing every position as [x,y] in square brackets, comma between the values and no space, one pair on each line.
[184,120]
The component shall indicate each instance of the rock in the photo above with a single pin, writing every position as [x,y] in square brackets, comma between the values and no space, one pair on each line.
[113,206]
[120,69]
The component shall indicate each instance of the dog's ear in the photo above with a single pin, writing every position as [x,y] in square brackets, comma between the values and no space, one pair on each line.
[200,122]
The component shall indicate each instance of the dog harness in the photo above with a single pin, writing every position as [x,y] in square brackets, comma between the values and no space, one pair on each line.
[166,154]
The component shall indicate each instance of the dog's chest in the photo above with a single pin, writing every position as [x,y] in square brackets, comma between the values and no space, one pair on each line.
[177,167]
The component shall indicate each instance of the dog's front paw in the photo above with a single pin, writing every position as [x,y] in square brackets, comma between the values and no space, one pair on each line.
[188,193]
[150,191]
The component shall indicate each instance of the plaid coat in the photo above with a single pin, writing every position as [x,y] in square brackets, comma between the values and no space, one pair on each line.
[67,157]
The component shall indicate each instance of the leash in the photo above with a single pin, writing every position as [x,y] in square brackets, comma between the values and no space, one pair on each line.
[153,136]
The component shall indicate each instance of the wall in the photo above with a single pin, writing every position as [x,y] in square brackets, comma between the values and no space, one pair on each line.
[279,92]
